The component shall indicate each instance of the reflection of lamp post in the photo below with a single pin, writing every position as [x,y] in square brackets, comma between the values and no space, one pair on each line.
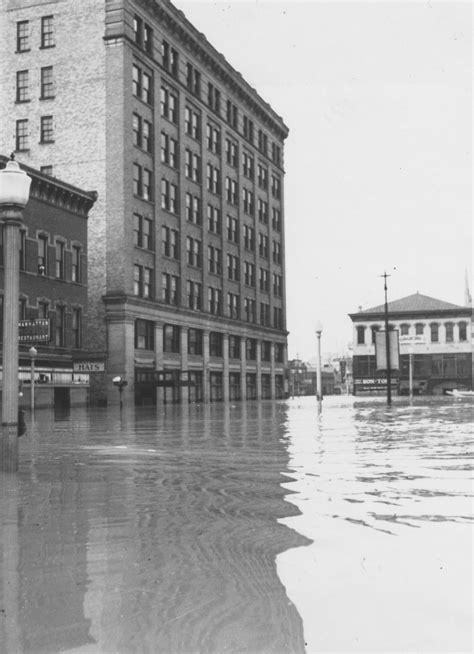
[14,195]
[120,382]
[319,388]
[32,352]
[410,370]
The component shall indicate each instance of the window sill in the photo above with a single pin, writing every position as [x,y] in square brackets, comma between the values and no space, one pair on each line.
[22,101]
[46,142]
[22,51]
[47,47]
[47,97]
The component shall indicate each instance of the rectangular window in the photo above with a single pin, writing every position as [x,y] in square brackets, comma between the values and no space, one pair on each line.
[192,166]
[193,79]
[360,335]
[21,137]
[47,83]
[419,329]
[193,252]
[231,153]
[169,196]
[248,129]
[234,347]
[262,142]
[249,274]
[215,260]
[233,267]
[138,30]
[215,344]
[137,180]
[263,211]
[46,170]
[213,98]
[232,229]
[146,88]
[251,349]
[248,201]
[231,190]
[171,338]
[434,329]
[264,280]
[277,285]
[212,177]
[76,264]
[194,291]
[233,306]
[266,351]
[170,289]
[169,58]
[43,310]
[22,89]
[247,165]
[249,238]
[262,176]
[276,154]
[276,219]
[195,341]
[276,187]
[46,130]
[279,352]
[449,329]
[250,309]
[213,137]
[60,326]
[170,242]
[462,332]
[276,252]
[76,328]
[42,255]
[193,209]
[59,271]
[22,36]
[277,317]
[148,39]
[263,245]
[144,334]
[142,281]
[169,104]
[215,301]
[169,150]
[47,32]
[192,123]
[213,219]
[264,314]
[231,114]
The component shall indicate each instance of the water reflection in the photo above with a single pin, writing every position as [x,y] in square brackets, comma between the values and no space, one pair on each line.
[144,531]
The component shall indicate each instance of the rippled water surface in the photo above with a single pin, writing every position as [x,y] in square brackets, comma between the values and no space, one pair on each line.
[255,528]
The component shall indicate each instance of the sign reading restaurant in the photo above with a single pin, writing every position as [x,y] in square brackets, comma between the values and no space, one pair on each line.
[34,331]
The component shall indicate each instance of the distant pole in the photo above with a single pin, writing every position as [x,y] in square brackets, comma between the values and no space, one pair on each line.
[387,344]
[32,352]
[319,385]
[410,371]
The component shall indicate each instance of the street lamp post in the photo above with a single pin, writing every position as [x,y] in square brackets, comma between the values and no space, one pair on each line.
[32,352]
[319,387]
[387,343]
[120,383]
[14,195]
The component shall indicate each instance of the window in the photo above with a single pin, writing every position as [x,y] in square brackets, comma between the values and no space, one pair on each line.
[215,344]
[263,211]
[170,289]
[434,330]
[142,232]
[213,137]
[214,297]
[279,352]
[22,36]
[169,58]
[449,330]
[462,331]
[249,274]
[231,153]
[266,350]
[138,30]
[171,338]
[169,196]
[195,341]
[277,285]
[146,88]
[43,309]
[262,176]
[46,130]
[193,209]
[251,384]
[142,281]
[76,264]
[192,123]
[248,202]
[170,242]
[59,260]
[193,252]
[248,129]
[212,176]
[42,255]
[231,114]
[264,281]
[192,166]
[169,104]
[262,142]
[46,170]
[232,229]
[276,219]
[404,330]
[194,290]
[148,39]
[22,94]
[213,98]
[234,347]
[142,180]
[47,32]
[250,309]
[419,329]
[247,165]
[142,133]
[76,328]
[21,308]
[360,335]
[233,267]
[141,84]
[231,190]
[263,245]
[47,83]
[193,79]
[276,252]
[374,329]
[233,306]
[249,238]
[264,314]
[276,154]
[277,317]
[276,187]
[60,326]
[251,349]
[213,219]
[21,138]
[215,260]
[169,150]
[144,334]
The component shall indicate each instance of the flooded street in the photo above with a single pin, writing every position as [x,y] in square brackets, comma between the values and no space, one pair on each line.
[253,528]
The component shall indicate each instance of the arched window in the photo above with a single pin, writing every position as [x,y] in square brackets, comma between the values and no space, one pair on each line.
[419,329]
[374,329]
[434,328]
[404,329]
[462,332]
[449,328]
[361,335]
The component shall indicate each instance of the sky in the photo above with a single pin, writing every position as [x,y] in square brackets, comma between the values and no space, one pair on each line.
[378,174]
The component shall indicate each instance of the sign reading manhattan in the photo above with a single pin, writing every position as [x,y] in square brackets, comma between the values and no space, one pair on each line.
[88,366]
[34,331]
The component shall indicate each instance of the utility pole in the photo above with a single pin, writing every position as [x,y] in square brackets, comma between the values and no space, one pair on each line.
[387,343]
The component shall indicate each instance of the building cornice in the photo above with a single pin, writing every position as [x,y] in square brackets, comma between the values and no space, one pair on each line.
[461,312]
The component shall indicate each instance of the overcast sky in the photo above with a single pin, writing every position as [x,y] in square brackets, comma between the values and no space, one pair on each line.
[377,97]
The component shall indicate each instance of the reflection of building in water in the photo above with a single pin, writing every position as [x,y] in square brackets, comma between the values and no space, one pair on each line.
[187,248]
[53,289]
[435,335]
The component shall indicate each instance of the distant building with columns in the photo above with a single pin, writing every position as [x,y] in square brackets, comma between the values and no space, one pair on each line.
[187,238]
[436,334]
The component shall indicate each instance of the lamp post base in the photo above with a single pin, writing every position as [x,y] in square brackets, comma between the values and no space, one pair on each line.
[9,448]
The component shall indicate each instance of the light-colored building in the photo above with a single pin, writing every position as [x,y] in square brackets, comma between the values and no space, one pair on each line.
[186,240]
[437,334]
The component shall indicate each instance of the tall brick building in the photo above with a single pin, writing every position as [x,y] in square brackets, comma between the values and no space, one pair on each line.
[186,240]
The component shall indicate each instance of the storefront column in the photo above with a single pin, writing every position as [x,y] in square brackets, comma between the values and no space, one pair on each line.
[225,372]
[206,386]
[272,370]
[243,368]
[259,369]
[160,391]
[184,364]
[121,359]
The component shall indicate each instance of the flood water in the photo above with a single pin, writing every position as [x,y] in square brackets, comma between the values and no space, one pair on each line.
[249,528]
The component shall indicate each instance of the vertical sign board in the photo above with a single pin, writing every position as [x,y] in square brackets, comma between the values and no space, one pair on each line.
[381,350]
